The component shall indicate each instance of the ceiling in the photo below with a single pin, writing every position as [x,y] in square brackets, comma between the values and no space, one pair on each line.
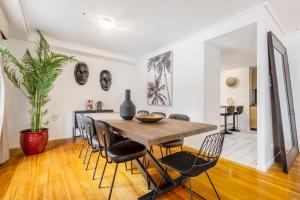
[238,48]
[144,25]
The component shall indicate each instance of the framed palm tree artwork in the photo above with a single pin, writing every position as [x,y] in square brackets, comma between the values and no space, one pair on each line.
[159,79]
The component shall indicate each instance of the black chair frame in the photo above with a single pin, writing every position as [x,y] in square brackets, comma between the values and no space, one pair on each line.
[91,133]
[106,142]
[82,133]
[180,141]
[206,158]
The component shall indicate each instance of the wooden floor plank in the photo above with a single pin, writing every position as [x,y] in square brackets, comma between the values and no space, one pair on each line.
[58,173]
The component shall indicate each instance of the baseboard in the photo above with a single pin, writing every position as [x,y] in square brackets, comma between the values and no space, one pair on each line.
[268,165]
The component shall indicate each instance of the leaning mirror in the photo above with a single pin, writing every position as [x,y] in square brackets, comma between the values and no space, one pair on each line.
[284,124]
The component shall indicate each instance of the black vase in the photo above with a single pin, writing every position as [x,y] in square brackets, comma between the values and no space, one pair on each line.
[127,108]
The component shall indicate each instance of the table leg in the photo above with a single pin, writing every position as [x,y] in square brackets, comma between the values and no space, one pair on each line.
[163,188]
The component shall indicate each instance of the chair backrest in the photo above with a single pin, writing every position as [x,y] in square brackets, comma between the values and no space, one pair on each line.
[80,124]
[239,109]
[159,113]
[230,110]
[179,117]
[209,152]
[105,133]
[143,112]
[89,128]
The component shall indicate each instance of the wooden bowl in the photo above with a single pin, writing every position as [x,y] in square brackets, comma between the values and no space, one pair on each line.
[149,118]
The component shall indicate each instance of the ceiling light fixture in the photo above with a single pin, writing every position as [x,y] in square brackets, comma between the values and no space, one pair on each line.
[106,23]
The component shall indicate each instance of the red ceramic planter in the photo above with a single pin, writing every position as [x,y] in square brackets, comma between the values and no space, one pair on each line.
[33,142]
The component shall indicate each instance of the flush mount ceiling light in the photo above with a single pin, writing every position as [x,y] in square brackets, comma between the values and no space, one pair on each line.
[106,23]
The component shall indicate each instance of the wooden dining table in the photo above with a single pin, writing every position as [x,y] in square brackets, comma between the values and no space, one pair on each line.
[153,134]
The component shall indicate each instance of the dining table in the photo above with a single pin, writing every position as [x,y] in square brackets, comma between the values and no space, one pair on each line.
[150,134]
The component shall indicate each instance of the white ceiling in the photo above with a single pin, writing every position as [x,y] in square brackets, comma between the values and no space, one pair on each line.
[144,25]
[238,48]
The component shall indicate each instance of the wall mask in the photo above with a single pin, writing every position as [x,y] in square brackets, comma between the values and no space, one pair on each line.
[105,80]
[81,73]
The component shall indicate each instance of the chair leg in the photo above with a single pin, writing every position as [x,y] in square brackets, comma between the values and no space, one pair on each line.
[82,149]
[113,181]
[151,149]
[87,150]
[102,174]
[96,165]
[146,169]
[87,166]
[170,151]
[181,148]
[212,185]
[166,151]
[131,169]
[157,187]
[162,155]
[225,123]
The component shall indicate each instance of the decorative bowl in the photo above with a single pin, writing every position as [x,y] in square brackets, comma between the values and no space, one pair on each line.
[149,118]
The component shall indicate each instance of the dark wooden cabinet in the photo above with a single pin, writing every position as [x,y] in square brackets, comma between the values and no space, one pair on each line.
[253,117]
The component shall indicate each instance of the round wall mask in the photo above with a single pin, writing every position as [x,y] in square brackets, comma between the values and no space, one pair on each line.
[81,73]
[232,82]
[105,80]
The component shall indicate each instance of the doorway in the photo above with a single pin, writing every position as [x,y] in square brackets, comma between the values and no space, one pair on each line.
[231,60]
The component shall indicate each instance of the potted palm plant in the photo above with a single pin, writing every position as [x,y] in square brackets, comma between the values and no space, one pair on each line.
[35,75]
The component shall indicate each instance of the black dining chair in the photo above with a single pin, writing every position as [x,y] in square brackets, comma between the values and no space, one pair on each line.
[193,164]
[159,113]
[120,152]
[229,112]
[93,142]
[142,112]
[82,134]
[238,111]
[173,143]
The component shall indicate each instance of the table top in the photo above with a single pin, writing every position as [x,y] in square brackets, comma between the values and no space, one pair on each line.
[153,133]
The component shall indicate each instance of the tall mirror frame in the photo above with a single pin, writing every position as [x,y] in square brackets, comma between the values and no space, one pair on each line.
[283,115]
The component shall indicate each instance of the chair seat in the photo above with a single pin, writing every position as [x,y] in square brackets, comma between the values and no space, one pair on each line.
[172,144]
[183,161]
[126,151]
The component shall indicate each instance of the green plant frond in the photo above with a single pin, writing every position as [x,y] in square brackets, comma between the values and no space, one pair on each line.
[11,75]
[45,112]
[35,75]
[9,57]
[42,47]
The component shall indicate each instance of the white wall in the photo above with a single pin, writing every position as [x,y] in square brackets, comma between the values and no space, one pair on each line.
[293,48]
[236,58]
[189,82]
[240,95]
[67,95]
[212,62]
[3,22]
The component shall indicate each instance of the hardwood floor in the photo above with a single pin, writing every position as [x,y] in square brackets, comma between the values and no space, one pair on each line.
[58,173]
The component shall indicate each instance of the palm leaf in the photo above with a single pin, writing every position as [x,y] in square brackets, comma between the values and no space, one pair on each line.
[35,75]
